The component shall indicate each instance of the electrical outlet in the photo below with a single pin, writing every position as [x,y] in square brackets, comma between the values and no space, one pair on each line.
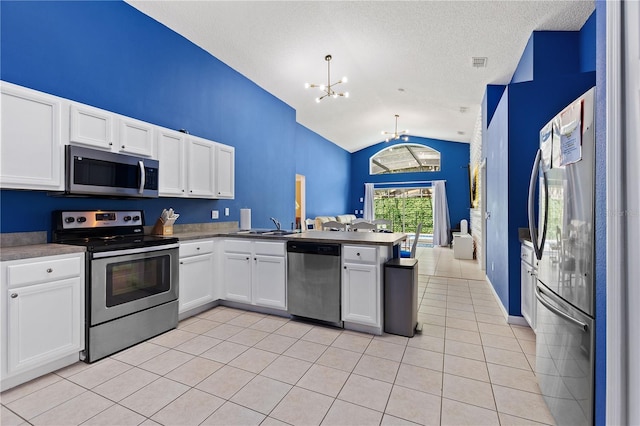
[226,211]
[361,200]
[360,211]
[491,266]
[214,214]
[356,211]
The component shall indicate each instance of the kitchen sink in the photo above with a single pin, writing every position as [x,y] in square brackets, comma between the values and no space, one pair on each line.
[265,232]
[278,232]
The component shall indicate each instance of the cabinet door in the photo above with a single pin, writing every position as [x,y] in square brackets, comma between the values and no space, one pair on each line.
[269,284]
[45,322]
[171,157]
[91,126]
[360,294]
[237,277]
[201,168]
[31,155]
[527,295]
[225,169]
[135,137]
[196,282]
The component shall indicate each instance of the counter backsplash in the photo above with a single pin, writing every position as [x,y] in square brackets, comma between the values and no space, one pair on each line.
[13,239]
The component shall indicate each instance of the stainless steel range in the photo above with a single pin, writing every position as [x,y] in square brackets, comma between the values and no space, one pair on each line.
[131,278]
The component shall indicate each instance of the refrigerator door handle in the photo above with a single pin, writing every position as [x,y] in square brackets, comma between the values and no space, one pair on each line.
[558,312]
[532,191]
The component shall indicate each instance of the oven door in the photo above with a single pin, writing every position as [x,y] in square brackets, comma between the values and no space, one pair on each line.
[128,281]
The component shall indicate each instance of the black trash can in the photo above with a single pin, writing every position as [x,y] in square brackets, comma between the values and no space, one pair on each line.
[401,296]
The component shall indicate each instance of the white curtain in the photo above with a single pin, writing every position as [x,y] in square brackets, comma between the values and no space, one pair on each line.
[369,209]
[441,224]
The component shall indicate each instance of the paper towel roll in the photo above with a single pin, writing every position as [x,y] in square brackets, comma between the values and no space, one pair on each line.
[245,218]
[464,226]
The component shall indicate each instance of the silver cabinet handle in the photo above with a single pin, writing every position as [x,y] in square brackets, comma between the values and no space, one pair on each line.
[14,295]
[49,270]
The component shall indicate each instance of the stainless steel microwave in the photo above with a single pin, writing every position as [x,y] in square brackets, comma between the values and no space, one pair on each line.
[93,172]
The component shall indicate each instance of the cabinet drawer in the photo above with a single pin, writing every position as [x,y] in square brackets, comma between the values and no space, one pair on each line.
[37,272]
[237,246]
[359,254]
[270,248]
[196,248]
[526,254]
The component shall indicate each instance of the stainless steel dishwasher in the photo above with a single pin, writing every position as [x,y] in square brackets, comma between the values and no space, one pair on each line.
[313,280]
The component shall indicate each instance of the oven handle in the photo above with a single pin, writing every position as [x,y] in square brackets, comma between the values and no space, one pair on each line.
[134,251]
[143,177]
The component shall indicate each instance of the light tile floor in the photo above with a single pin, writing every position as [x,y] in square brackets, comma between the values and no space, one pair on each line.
[231,367]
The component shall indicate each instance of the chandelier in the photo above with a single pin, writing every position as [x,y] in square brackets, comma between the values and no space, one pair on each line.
[328,89]
[396,134]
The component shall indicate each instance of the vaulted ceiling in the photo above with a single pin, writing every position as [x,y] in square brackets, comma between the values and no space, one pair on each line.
[411,58]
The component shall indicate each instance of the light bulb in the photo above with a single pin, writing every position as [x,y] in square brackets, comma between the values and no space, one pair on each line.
[346,94]
[317,100]
[307,85]
[335,95]
[344,79]
[322,87]
[382,132]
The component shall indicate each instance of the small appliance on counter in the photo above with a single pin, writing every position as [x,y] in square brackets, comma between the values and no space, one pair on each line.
[131,282]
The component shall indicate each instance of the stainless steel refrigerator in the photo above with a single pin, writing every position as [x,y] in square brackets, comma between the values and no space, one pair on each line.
[563,240]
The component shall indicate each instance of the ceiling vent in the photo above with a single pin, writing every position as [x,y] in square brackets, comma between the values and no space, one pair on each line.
[479,62]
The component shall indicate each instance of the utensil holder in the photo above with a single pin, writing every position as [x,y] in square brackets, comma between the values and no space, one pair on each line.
[160,228]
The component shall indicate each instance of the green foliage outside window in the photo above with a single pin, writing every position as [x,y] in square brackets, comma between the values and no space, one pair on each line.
[394,205]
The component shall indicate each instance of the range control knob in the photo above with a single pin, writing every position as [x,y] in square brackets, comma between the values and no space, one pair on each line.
[69,219]
[126,218]
[136,218]
[81,219]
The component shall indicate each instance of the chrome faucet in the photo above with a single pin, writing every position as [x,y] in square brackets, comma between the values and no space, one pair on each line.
[276,223]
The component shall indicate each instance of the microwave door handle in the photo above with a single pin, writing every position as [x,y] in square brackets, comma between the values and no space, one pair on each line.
[558,312]
[532,189]
[142,177]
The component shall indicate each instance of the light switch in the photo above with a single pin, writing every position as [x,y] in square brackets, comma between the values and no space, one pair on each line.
[360,211]
[214,214]
[226,211]
[361,200]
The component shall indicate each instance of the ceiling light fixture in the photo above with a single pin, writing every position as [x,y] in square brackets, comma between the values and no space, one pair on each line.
[396,134]
[327,90]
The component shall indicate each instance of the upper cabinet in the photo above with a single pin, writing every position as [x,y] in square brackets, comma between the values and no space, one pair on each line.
[31,132]
[194,167]
[225,171]
[102,129]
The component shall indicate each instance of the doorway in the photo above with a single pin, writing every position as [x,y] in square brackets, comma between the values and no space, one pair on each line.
[301,213]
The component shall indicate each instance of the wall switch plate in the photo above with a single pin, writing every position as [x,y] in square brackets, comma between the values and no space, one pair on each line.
[361,200]
[226,211]
[360,211]
[356,211]
[214,214]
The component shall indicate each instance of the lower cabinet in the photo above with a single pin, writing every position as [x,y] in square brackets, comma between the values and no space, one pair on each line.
[361,286]
[197,274]
[528,282]
[255,272]
[42,301]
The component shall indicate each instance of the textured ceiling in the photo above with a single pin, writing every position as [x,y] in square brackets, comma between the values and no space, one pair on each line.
[412,58]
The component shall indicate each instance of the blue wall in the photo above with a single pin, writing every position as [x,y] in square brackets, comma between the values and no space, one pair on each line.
[454,163]
[601,215]
[109,55]
[512,141]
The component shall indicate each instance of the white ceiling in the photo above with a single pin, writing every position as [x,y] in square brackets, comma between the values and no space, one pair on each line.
[422,47]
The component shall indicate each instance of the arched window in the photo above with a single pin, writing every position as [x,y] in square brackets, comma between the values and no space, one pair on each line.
[405,158]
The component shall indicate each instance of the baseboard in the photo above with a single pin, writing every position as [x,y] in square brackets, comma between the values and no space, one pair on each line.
[510,319]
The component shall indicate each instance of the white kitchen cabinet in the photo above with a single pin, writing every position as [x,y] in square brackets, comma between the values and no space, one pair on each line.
[171,156]
[255,272]
[225,171]
[197,274]
[201,173]
[91,126]
[361,286]
[528,282]
[42,302]
[97,128]
[31,154]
